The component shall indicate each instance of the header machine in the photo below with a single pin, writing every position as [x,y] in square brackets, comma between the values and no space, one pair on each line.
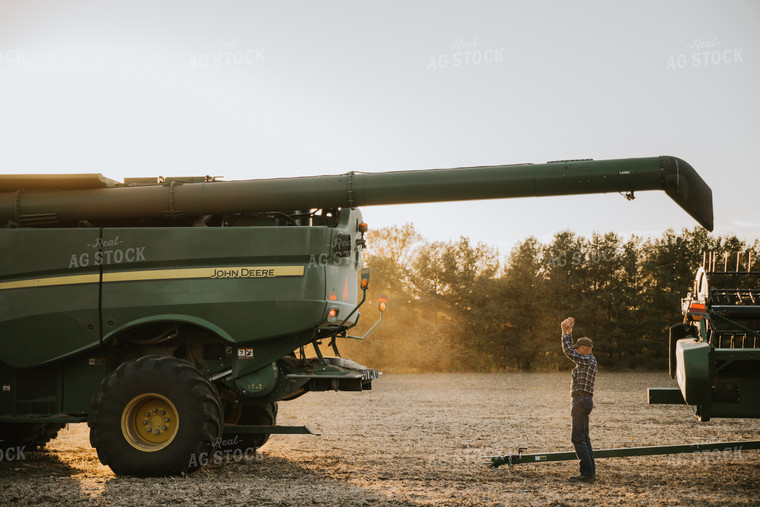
[715,352]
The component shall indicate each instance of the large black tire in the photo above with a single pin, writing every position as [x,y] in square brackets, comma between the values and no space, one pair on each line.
[167,396]
[260,413]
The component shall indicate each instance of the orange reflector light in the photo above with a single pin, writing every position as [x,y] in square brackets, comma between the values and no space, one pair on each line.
[382,301]
[333,313]
[697,311]
[333,297]
[363,227]
[365,282]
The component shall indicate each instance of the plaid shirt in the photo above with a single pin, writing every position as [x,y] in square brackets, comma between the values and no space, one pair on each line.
[584,373]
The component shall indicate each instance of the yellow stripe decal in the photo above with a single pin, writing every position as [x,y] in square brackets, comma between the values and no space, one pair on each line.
[216,273]
[161,274]
[47,282]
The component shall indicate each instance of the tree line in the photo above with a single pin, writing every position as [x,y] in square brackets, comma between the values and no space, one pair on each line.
[459,306]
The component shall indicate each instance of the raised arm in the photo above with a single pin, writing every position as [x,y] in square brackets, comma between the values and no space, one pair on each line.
[567,343]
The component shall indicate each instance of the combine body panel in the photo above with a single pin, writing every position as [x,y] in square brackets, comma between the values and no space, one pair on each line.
[243,287]
[136,305]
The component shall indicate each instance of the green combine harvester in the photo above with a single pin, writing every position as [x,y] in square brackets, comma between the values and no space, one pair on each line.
[169,313]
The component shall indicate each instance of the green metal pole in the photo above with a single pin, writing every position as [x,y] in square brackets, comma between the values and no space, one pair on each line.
[255,429]
[516,459]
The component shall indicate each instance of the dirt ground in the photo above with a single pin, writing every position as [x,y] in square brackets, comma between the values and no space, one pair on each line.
[420,440]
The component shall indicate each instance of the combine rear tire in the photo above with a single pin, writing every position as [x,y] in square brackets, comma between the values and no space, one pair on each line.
[155,416]
[264,414]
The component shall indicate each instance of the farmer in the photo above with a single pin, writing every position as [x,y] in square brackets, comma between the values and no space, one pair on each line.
[582,392]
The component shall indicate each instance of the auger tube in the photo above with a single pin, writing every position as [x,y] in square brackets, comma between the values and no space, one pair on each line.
[32,207]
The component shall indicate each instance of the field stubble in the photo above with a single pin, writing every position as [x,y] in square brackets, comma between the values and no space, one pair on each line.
[420,439]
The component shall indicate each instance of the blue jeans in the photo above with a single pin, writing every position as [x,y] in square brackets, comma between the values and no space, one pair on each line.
[581,408]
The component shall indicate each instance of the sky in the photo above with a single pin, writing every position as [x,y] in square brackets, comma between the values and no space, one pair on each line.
[259,89]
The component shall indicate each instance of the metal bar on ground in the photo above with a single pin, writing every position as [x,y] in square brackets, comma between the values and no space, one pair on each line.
[254,429]
[515,459]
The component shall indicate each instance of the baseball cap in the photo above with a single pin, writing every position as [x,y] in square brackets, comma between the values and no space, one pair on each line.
[583,341]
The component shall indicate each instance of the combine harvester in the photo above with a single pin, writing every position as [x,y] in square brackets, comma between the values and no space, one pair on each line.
[169,313]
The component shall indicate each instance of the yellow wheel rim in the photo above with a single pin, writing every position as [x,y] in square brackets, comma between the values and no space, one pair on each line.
[149,422]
